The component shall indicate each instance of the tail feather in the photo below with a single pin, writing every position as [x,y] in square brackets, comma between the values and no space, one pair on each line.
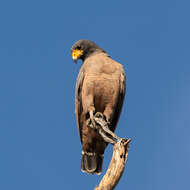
[91,163]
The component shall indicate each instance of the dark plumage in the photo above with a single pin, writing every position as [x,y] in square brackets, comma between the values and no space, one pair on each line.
[100,87]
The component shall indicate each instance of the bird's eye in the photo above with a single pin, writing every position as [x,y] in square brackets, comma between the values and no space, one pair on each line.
[79,47]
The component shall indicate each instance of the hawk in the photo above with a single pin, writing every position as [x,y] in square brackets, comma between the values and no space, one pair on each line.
[100,87]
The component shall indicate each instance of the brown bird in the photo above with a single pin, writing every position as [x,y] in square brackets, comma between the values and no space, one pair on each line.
[100,87]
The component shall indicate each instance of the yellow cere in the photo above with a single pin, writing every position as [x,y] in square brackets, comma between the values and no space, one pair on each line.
[76,54]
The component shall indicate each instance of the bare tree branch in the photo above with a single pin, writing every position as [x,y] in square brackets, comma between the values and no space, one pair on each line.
[120,152]
[116,167]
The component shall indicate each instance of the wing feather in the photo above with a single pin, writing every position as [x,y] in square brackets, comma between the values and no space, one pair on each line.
[120,100]
[78,100]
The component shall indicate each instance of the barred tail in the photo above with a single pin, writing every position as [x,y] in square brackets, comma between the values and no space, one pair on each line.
[91,162]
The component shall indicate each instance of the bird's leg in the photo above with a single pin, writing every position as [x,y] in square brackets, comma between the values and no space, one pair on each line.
[91,113]
[105,132]
[106,138]
[108,131]
[98,122]
[101,120]
[90,121]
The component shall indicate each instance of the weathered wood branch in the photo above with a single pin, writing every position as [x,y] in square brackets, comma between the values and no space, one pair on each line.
[120,153]
[116,167]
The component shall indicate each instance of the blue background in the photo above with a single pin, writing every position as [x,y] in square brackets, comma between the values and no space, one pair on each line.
[39,142]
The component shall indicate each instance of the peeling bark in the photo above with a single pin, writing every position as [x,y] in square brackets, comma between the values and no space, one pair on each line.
[116,167]
[120,152]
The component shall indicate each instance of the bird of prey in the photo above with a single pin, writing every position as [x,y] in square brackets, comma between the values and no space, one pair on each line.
[100,87]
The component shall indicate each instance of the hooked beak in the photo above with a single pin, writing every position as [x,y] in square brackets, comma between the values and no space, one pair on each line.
[76,54]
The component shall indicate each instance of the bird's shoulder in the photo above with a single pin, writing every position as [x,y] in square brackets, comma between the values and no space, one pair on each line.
[102,63]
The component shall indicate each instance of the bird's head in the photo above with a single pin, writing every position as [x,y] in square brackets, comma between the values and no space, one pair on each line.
[83,49]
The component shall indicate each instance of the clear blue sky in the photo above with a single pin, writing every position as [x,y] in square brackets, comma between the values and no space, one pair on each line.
[39,142]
